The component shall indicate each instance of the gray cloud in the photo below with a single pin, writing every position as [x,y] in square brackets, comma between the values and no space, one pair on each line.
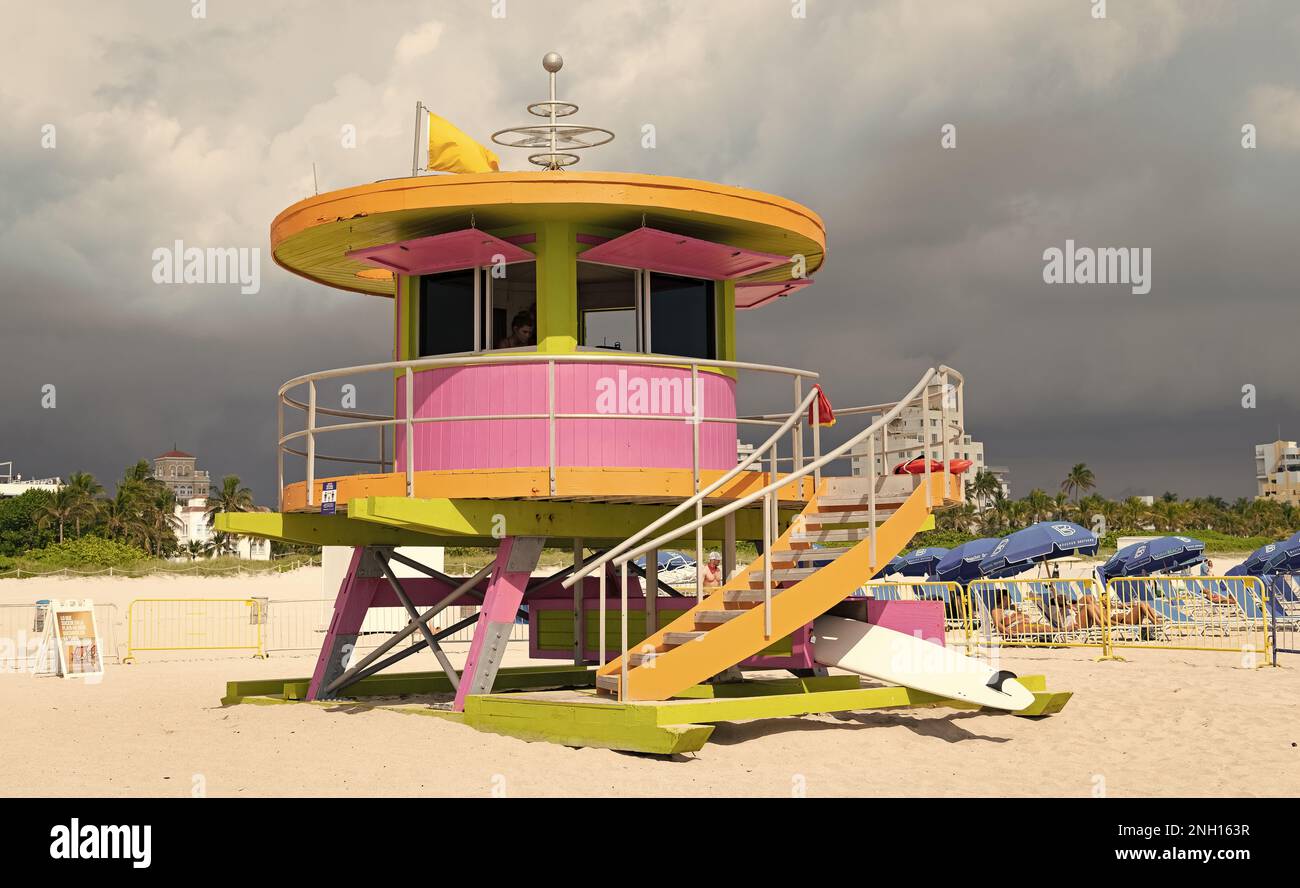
[1117,133]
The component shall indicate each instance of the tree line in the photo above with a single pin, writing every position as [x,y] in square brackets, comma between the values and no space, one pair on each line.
[141,513]
[988,512]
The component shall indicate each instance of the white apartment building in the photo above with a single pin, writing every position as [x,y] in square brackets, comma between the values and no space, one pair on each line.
[195,527]
[906,431]
[17,485]
[1277,472]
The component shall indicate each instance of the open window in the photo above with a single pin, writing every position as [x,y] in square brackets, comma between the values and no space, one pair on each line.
[512,320]
[471,310]
[683,317]
[625,309]
[608,307]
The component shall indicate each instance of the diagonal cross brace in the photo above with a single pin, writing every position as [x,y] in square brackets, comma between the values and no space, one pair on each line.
[416,620]
[351,674]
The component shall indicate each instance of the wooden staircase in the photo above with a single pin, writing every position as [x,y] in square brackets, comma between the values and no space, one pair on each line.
[728,626]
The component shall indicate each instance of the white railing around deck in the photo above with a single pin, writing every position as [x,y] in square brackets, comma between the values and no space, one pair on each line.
[382,423]
[951,406]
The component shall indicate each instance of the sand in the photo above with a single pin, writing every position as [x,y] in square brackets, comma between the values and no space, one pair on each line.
[1162,723]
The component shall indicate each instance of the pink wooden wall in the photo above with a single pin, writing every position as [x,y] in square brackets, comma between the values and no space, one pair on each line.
[521,388]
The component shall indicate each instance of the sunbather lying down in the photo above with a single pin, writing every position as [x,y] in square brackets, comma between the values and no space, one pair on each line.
[1065,614]
[1010,621]
[1085,613]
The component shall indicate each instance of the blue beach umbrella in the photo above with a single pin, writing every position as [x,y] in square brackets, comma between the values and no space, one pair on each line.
[1154,556]
[1262,560]
[962,564]
[668,560]
[1285,557]
[895,565]
[921,562]
[1039,542]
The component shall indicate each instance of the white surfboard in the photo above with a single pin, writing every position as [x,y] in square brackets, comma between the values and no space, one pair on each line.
[893,657]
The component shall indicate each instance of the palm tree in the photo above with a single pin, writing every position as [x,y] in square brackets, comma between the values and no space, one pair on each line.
[194,549]
[160,521]
[64,505]
[85,491]
[121,515]
[230,497]
[1039,505]
[985,488]
[220,543]
[1080,480]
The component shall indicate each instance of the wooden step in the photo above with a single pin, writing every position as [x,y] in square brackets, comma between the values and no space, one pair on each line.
[717,616]
[676,638]
[641,659]
[796,556]
[831,536]
[821,519]
[785,574]
[746,596]
[859,501]
[607,683]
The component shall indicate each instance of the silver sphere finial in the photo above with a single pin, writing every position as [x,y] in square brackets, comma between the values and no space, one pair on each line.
[558,141]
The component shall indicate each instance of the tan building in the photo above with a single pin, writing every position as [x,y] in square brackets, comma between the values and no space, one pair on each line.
[1277,472]
[175,468]
[908,431]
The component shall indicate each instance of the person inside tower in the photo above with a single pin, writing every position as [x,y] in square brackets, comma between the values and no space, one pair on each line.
[522,332]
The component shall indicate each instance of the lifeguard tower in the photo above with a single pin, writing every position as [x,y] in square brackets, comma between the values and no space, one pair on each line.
[614,433]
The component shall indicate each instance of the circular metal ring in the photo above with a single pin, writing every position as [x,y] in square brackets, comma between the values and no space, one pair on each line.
[567,136]
[554,161]
[562,109]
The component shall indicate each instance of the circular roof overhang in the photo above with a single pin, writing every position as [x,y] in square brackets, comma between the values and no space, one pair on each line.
[312,237]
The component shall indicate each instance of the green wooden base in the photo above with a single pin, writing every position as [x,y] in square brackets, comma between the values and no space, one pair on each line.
[573,715]
[513,678]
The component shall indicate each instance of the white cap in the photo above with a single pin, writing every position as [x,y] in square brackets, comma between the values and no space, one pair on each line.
[714,556]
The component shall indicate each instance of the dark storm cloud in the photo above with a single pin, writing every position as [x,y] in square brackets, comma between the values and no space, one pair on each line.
[1117,133]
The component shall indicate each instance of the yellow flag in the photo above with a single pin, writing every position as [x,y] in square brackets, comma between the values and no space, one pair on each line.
[451,151]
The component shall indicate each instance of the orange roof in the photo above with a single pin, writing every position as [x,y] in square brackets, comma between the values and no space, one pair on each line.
[176,453]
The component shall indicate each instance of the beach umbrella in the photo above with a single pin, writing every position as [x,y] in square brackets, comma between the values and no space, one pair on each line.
[668,560]
[1154,556]
[962,564]
[1267,559]
[1285,557]
[895,565]
[1037,543]
[921,562]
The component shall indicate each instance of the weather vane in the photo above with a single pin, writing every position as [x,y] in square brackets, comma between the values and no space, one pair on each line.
[559,139]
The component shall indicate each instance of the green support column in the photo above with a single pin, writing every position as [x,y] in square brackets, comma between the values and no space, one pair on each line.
[727,321]
[557,288]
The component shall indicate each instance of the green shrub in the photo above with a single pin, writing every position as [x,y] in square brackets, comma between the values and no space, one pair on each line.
[86,552]
[18,528]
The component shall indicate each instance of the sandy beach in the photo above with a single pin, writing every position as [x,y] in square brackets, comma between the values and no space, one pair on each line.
[1160,723]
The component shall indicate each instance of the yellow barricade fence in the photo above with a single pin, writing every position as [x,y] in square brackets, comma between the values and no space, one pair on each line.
[1189,613]
[1055,612]
[195,624]
[956,615]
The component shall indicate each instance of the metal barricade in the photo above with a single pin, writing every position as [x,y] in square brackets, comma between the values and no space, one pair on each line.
[195,624]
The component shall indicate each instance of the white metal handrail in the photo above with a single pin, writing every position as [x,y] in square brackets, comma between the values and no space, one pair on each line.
[727,509]
[409,421]
[798,413]
[622,554]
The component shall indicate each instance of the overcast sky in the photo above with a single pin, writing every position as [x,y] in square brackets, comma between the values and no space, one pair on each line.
[1117,132]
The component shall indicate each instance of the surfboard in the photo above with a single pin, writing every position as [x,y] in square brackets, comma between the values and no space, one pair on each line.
[893,657]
